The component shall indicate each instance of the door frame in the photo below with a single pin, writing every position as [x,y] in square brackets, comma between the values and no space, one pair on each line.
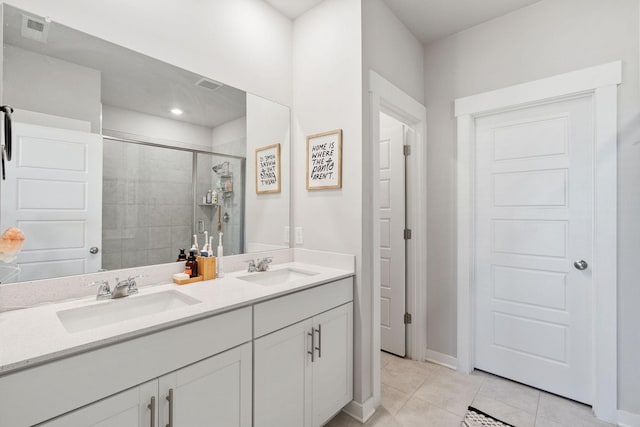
[389,99]
[600,82]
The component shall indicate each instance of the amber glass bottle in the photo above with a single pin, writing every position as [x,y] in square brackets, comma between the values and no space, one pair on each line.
[191,267]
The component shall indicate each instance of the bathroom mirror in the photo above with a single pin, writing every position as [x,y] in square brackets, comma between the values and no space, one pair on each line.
[119,158]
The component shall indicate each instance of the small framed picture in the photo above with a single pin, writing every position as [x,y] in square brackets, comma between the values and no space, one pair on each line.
[268,169]
[324,160]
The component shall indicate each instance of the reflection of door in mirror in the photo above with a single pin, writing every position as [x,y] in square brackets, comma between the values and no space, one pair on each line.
[53,192]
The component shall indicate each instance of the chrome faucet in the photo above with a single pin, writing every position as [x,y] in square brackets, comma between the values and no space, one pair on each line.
[263,264]
[122,289]
[259,264]
[125,287]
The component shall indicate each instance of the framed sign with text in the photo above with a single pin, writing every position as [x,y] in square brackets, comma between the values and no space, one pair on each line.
[268,169]
[324,160]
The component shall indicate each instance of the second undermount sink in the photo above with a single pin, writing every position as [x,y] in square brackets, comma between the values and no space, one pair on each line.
[277,277]
[118,310]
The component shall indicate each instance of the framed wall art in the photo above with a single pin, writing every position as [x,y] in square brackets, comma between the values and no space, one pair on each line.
[324,160]
[268,169]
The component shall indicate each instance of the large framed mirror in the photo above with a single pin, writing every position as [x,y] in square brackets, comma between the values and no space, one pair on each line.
[119,159]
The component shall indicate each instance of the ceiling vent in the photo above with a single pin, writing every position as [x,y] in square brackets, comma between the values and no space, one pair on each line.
[209,84]
[35,28]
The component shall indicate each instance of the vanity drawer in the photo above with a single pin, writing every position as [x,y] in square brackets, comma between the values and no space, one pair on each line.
[37,394]
[280,312]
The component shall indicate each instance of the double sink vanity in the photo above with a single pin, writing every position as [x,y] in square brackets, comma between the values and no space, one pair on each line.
[268,348]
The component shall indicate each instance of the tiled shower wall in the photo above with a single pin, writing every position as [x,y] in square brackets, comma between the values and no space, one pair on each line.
[147,204]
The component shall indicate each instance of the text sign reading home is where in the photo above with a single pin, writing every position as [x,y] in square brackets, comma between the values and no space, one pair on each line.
[324,160]
[268,169]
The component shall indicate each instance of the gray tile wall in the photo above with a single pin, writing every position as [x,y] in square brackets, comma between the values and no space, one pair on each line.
[147,204]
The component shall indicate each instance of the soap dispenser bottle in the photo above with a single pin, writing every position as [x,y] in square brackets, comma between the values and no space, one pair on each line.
[182,256]
[191,267]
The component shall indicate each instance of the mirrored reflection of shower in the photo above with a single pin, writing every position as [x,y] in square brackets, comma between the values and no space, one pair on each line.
[220,190]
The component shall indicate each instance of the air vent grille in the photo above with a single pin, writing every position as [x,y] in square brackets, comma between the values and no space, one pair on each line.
[209,84]
[35,25]
[35,28]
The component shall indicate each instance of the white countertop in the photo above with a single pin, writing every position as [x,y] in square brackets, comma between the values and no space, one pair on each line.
[36,335]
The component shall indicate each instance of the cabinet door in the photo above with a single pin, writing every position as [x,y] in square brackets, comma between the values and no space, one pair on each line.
[213,392]
[282,382]
[129,408]
[333,367]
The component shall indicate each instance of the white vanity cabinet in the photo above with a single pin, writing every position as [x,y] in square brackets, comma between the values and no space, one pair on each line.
[207,363]
[215,391]
[303,356]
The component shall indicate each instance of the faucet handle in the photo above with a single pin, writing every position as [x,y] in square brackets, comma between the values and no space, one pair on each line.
[133,286]
[104,291]
[98,282]
[252,266]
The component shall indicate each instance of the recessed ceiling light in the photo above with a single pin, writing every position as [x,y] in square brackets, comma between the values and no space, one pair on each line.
[176,111]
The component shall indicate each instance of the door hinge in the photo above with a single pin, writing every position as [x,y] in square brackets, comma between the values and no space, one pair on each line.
[407,318]
[407,233]
[406,149]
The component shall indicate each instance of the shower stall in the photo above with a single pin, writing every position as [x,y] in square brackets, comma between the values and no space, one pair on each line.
[155,200]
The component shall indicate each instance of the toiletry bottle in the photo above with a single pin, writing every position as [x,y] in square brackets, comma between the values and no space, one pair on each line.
[195,246]
[220,255]
[191,267]
[209,197]
[182,256]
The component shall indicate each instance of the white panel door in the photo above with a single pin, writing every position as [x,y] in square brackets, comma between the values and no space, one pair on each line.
[392,243]
[131,408]
[534,213]
[53,192]
[213,392]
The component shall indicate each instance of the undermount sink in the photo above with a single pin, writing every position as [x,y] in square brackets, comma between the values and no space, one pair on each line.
[276,277]
[118,310]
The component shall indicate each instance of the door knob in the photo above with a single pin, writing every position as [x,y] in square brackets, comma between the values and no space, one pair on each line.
[94,250]
[581,265]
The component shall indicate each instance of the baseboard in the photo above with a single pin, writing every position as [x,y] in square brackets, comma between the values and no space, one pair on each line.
[628,419]
[441,359]
[361,411]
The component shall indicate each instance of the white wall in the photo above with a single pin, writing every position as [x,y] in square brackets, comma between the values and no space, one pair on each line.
[266,215]
[156,129]
[392,51]
[547,38]
[221,39]
[39,83]
[231,137]
[327,95]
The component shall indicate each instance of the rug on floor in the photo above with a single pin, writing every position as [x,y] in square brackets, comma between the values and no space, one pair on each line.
[477,418]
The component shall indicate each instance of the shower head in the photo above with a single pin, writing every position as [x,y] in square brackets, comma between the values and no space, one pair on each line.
[221,167]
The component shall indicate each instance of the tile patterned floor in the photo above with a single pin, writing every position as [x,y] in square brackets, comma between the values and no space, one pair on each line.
[421,394]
